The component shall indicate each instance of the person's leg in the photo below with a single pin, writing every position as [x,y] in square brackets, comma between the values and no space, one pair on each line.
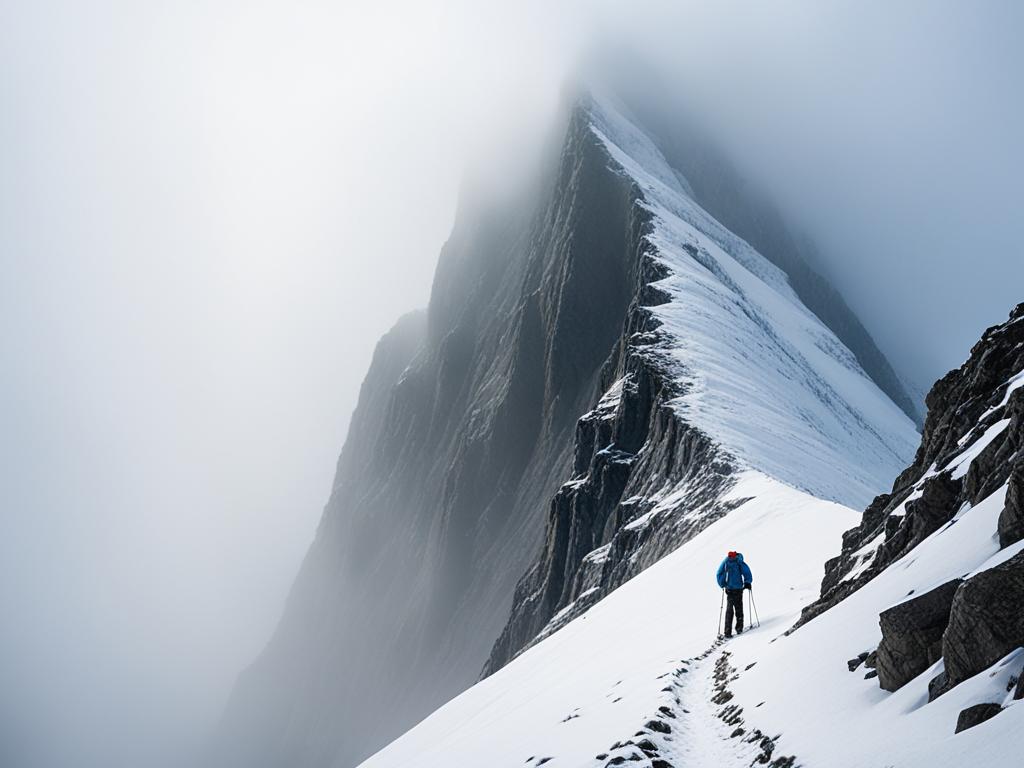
[739,611]
[729,606]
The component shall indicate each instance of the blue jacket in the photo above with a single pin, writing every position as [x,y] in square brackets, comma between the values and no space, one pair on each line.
[733,573]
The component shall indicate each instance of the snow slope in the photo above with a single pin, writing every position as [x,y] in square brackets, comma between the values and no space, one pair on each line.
[641,677]
[763,376]
[832,717]
[600,678]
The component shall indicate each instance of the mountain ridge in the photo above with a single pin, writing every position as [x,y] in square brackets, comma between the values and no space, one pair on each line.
[920,665]
[717,343]
[465,429]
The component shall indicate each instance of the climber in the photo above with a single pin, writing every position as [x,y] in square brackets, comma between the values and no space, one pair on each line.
[734,576]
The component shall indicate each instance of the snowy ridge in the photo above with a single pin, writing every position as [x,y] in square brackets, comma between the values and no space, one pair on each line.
[761,375]
[640,677]
[602,677]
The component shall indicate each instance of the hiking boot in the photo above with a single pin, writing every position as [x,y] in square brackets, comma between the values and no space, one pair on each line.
[739,631]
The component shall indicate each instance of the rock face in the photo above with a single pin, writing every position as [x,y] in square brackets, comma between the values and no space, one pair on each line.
[970,456]
[976,715]
[531,408]
[591,544]
[912,636]
[986,622]
[969,449]
[1011,520]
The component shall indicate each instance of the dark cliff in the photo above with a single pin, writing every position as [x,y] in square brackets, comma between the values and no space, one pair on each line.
[592,542]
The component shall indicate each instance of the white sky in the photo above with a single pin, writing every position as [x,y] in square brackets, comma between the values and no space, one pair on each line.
[210,211]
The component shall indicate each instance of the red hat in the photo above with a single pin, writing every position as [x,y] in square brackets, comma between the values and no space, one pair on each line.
[732,554]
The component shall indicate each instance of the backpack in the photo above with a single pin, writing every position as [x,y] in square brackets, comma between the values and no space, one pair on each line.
[733,573]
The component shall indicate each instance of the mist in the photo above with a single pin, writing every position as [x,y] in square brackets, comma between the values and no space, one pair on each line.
[210,211]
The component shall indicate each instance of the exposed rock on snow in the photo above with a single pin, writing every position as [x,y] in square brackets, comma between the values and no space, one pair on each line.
[1011,520]
[975,715]
[852,664]
[970,448]
[912,636]
[986,622]
[966,473]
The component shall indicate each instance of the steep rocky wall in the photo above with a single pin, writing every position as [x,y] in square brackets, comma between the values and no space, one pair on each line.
[972,451]
[965,408]
[643,482]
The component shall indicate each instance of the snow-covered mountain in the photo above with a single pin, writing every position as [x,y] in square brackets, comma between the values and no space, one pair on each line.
[913,655]
[722,369]
[606,374]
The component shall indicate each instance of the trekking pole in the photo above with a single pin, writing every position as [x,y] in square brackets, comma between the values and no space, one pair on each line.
[753,609]
[720,607]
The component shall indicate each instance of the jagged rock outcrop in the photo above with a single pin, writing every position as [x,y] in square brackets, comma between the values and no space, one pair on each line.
[986,622]
[970,464]
[912,636]
[593,541]
[1011,519]
[969,449]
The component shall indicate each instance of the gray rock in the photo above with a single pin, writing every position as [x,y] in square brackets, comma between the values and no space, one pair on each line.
[956,405]
[986,622]
[975,715]
[658,725]
[937,685]
[939,501]
[912,635]
[1011,520]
